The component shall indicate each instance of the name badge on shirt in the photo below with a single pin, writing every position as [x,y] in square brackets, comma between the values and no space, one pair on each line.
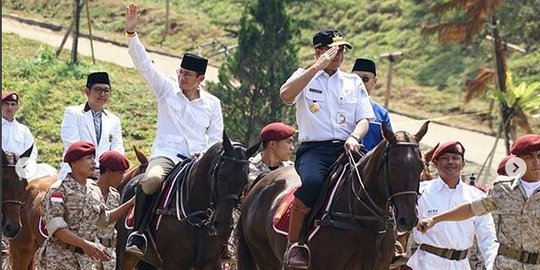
[341,119]
[315,90]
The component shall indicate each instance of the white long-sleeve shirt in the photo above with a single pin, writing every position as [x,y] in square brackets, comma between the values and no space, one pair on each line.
[436,198]
[17,138]
[184,127]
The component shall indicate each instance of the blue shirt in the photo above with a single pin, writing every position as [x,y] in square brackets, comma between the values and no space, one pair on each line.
[374,135]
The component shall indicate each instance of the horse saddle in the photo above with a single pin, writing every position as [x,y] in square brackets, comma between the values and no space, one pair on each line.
[162,201]
[281,218]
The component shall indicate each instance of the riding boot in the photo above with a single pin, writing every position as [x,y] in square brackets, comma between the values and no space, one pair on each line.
[136,242]
[297,255]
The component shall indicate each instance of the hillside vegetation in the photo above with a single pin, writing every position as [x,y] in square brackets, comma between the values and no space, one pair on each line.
[427,83]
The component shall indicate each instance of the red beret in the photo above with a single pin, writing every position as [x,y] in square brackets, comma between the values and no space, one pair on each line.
[501,168]
[113,161]
[10,96]
[276,131]
[79,150]
[454,147]
[526,144]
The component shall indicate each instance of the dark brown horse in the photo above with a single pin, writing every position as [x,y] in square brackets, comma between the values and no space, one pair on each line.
[359,234]
[13,187]
[22,248]
[205,202]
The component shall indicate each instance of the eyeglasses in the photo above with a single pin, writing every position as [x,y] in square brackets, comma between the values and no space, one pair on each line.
[185,73]
[365,78]
[102,90]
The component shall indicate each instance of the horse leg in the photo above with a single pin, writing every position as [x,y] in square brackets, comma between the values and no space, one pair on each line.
[21,257]
[130,261]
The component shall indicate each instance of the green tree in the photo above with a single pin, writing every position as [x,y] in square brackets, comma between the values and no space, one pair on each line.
[250,79]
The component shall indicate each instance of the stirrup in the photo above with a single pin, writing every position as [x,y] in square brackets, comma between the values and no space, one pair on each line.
[300,246]
[132,247]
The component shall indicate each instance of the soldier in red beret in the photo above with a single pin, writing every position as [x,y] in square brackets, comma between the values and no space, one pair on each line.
[277,142]
[16,137]
[112,166]
[515,204]
[449,246]
[501,168]
[73,209]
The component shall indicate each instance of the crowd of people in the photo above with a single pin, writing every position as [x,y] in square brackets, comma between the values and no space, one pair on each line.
[334,114]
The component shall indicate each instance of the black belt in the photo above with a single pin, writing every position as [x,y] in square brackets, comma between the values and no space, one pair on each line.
[324,142]
[519,255]
[446,253]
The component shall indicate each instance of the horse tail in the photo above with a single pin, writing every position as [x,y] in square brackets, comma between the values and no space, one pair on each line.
[246,261]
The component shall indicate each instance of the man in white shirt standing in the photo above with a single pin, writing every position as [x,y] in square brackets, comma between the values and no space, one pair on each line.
[446,245]
[189,121]
[91,122]
[16,137]
[333,111]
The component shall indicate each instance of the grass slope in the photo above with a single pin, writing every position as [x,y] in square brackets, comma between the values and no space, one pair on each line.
[47,85]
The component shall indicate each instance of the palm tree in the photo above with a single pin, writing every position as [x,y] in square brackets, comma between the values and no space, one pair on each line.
[477,14]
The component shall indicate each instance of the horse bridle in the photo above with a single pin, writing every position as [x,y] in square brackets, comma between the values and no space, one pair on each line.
[208,215]
[17,202]
[381,215]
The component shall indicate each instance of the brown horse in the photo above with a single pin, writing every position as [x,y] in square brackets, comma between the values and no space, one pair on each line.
[358,231]
[22,248]
[13,187]
[204,202]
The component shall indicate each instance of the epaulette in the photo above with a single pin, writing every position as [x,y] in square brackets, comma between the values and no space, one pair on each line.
[503,179]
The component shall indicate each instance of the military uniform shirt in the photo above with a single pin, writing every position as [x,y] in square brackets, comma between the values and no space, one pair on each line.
[257,166]
[436,197]
[80,208]
[17,138]
[107,235]
[517,220]
[329,107]
[185,126]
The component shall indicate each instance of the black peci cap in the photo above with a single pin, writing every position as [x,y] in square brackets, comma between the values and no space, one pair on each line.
[330,38]
[194,63]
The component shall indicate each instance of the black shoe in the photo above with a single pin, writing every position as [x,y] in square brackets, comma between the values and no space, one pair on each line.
[136,244]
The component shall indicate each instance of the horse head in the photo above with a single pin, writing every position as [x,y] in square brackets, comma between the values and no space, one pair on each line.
[13,187]
[229,176]
[426,173]
[395,164]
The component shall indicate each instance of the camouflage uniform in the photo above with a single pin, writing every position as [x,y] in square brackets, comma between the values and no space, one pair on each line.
[107,235]
[79,208]
[257,167]
[517,220]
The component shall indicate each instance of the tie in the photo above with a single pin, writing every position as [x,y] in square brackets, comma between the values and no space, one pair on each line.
[97,125]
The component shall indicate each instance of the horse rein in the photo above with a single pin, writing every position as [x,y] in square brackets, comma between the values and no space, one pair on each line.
[17,202]
[208,214]
[373,207]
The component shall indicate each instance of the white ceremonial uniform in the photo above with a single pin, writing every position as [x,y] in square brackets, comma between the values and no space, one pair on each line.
[17,138]
[184,127]
[436,197]
[329,107]
[78,124]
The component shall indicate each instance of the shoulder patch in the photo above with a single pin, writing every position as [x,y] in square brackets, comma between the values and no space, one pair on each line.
[57,197]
